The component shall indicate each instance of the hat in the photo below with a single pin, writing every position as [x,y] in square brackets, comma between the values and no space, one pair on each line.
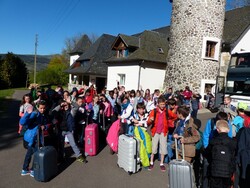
[242,105]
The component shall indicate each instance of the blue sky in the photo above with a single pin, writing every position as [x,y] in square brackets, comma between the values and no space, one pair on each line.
[56,20]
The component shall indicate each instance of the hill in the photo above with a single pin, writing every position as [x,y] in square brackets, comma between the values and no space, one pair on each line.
[42,61]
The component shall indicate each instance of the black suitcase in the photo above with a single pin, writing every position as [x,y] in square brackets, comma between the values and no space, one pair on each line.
[45,163]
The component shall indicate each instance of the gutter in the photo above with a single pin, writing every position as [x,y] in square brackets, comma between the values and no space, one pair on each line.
[139,75]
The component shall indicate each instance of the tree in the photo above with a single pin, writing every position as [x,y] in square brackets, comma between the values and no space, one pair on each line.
[54,73]
[13,72]
[238,3]
[71,42]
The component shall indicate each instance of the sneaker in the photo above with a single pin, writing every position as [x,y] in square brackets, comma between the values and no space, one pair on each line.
[32,173]
[25,172]
[151,166]
[163,168]
[81,159]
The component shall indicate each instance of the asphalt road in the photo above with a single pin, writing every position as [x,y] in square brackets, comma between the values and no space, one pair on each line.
[100,171]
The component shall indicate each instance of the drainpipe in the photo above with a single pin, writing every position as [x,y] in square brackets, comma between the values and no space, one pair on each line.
[139,75]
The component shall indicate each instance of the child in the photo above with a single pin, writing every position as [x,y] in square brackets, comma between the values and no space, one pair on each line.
[26,103]
[140,117]
[186,128]
[34,120]
[238,121]
[126,113]
[66,125]
[159,130]
[220,153]
[229,108]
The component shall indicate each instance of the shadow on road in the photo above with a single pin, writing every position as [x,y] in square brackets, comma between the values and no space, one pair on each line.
[9,124]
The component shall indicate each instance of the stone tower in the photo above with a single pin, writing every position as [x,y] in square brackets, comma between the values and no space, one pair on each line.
[195,40]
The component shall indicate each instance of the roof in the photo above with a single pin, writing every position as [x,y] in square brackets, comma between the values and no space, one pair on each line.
[130,41]
[153,47]
[91,61]
[82,45]
[236,23]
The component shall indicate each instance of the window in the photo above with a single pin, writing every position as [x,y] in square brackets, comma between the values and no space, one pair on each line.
[211,48]
[122,53]
[122,78]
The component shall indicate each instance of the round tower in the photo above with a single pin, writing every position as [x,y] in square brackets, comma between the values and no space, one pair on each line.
[195,39]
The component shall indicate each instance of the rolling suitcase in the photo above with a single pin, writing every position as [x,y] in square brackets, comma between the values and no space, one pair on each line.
[91,139]
[180,172]
[45,162]
[128,154]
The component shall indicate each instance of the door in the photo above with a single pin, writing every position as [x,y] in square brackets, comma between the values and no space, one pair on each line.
[100,84]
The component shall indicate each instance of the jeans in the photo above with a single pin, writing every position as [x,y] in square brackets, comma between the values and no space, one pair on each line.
[72,143]
[30,151]
[194,114]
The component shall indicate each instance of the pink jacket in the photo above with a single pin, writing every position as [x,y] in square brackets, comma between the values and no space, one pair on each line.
[113,135]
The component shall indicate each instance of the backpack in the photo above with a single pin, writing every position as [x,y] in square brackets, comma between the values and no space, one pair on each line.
[222,159]
[199,145]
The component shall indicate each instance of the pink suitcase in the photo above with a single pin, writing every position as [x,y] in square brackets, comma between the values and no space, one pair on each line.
[91,139]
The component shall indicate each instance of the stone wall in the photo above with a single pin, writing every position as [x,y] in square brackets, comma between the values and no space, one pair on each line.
[191,21]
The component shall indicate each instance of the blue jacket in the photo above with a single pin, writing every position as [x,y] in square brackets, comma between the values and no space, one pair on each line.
[208,134]
[32,121]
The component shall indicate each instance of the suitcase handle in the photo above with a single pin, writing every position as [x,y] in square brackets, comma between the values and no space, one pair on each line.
[38,137]
[176,148]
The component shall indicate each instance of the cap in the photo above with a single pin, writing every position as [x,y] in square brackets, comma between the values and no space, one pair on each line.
[242,105]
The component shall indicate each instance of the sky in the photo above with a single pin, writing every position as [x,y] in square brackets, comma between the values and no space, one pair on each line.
[56,20]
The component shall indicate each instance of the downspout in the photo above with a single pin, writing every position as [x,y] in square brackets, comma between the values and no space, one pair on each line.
[139,75]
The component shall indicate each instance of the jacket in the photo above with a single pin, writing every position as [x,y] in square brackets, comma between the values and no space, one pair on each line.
[243,152]
[208,134]
[191,137]
[221,155]
[145,145]
[171,116]
[32,121]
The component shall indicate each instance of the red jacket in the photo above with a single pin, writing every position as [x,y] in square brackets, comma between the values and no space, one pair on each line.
[171,116]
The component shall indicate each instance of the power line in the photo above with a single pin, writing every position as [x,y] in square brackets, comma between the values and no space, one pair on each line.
[62,19]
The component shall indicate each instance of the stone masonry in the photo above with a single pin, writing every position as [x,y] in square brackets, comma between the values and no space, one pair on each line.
[191,21]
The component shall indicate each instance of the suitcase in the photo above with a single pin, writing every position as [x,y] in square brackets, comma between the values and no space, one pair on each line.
[45,163]
[180,172]
[128,154]
[91,139]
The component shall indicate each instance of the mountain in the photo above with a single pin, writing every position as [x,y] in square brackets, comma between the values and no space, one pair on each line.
[42,61]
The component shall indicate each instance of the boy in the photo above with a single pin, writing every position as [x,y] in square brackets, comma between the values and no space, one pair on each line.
[159,131]
[220,153]
[230,109]
[186,128]
[34,120]
[66,125]
[140,117]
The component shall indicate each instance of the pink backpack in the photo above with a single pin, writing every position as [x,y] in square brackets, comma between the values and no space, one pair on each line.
[113,135]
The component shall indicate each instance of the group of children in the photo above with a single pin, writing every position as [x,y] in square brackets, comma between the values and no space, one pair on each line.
[166,117]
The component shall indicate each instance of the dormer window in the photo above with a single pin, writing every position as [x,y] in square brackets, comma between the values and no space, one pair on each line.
[122,53]
[160,50]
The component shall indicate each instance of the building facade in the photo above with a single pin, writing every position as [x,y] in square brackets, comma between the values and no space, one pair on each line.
[195,40]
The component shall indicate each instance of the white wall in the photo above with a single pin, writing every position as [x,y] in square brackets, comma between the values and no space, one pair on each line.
[131,80]
[244,44]
[152,78]
[73,58]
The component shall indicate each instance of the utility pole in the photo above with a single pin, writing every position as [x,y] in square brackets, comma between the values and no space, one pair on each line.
[36,43]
